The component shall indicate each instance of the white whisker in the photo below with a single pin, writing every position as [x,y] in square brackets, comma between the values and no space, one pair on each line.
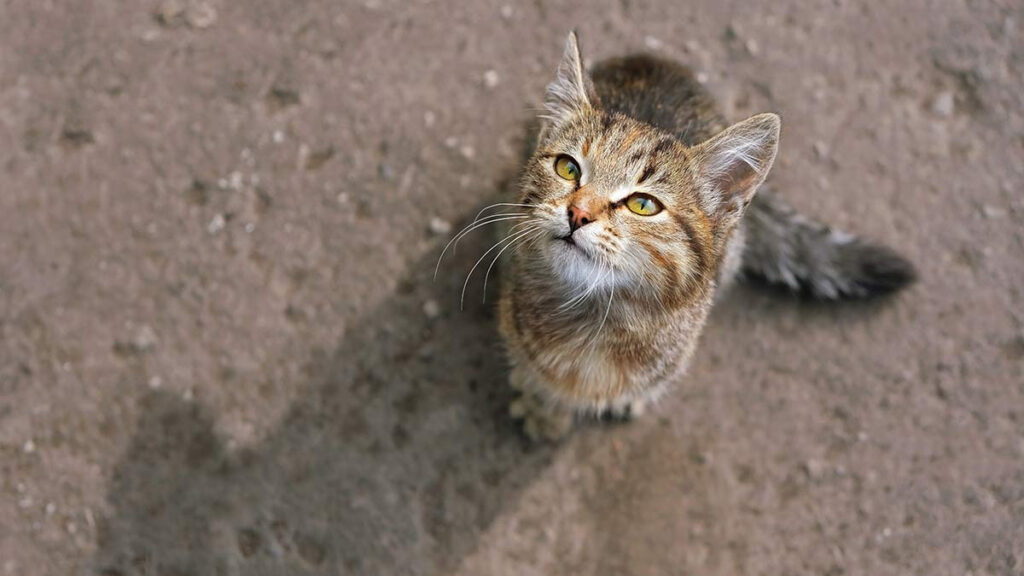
[606,311]
[473,226]
[486,208]
[534,229]
[515,237]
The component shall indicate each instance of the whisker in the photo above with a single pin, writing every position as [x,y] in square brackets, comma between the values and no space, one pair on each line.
[535,229]
[486,208]
[462,299]
[580,298]
[473,226]
[606,311]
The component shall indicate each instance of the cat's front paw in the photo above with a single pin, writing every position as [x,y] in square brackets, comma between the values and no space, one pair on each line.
[542,421]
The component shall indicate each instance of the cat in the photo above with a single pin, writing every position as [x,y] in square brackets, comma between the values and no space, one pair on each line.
[638,205]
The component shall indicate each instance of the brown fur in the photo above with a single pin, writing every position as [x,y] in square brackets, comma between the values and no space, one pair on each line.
[607,319]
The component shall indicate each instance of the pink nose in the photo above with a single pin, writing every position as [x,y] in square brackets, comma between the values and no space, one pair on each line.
[578,217]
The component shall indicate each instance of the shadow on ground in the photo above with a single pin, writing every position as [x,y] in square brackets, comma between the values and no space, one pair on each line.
[396,454]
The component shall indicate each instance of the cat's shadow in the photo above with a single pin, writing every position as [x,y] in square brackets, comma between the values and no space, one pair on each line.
[396,455]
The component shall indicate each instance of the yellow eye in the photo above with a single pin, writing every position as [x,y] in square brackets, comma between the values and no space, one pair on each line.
[567,168]
[643,205]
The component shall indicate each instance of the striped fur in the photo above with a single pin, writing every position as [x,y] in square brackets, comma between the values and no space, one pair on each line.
[606,321]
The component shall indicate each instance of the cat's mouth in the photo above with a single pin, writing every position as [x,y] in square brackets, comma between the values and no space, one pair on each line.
[571,245]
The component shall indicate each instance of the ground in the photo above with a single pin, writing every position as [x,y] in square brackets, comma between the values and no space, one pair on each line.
[222,351]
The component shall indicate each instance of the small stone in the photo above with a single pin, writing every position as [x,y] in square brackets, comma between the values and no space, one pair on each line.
[188,395]
[155,382]
[250,227]
[216,224]
[815,469]
[170,12]
[467,152]
[943,104]
[752,48]
[200,16]
[432,309]
[145,339]
[992,212]
[491,79]
[439,226]
[71,527]
[50,508]
[652,43]
[28,447]
[507,12]
[277,136]
[429,118]
[342,198]
[821,149]
[235,180]
[702,77]
[451,142]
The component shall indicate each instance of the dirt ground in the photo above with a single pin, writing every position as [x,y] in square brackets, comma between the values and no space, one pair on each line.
[221,351]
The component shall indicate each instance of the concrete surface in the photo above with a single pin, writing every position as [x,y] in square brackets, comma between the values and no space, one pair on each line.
[221,351]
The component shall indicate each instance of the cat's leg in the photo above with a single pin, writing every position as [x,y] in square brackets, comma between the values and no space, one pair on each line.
[542,418]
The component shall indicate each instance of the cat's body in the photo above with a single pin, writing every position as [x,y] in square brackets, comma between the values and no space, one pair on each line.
[631,219]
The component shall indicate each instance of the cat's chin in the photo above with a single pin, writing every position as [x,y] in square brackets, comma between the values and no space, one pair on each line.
[574,265]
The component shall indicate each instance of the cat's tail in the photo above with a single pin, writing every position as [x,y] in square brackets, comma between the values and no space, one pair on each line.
[786,248]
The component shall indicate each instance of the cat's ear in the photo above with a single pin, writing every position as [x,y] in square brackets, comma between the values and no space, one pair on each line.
[568,95]
[733,163]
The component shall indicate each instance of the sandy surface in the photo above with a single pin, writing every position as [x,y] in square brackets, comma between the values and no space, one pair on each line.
[217,354]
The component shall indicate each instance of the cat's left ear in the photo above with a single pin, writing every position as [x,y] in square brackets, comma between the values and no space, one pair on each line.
[733,163]
[569,94]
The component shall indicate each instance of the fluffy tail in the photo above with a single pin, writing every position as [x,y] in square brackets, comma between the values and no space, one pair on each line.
[786,248]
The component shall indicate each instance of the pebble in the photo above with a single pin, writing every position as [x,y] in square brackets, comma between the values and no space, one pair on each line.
[992,212]
[429,118]
[820,149]
[50,509]
[943,104]
[216,224]
[145,339]
[491,79]
[277,137]
[29,447]
[439,226]
[702,77]
[467,151]
[752,47]
[200,16]
[432,309]
[155,383]
[507,12]
[169,12]
[652,43]
[451,142]
[815,469]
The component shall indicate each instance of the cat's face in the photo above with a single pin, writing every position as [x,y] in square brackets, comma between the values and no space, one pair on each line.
[617,203]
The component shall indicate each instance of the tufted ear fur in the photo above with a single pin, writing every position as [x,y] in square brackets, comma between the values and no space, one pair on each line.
[734,162]
[569,93]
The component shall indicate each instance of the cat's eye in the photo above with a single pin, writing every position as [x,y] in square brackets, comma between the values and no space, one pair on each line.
[567,168]
[643,204]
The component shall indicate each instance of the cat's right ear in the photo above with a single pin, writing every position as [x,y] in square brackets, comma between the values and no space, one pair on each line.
[568,94]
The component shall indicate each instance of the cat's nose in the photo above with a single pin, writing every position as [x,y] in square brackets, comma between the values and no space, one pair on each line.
[578,217]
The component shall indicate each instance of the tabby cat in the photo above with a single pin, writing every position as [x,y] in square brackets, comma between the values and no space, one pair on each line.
[638,205]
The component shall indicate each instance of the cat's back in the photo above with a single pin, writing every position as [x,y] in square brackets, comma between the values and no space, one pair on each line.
[660,92]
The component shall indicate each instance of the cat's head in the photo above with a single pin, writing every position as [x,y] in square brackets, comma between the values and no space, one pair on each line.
[621,203]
